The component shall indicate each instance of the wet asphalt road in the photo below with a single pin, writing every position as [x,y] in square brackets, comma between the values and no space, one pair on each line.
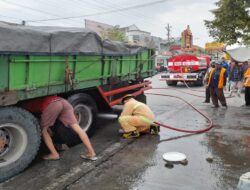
[138,164]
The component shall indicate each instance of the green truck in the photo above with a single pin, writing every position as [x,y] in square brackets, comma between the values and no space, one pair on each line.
[73,63]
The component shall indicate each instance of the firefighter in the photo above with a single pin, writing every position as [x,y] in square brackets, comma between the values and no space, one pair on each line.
[136,118]
[216,82]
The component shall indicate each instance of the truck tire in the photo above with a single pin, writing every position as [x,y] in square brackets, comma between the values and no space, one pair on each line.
[171,83]
[20,138]
[142,98]
[199,81]
[85,110]
[64,135]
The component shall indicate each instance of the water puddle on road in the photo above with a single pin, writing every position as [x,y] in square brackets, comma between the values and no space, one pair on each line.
[214,162]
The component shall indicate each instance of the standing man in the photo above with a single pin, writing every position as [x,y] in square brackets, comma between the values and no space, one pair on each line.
[216,82]
[247,85]
[51,109]
[235,78]
[225,65]
[207,93]
[136,118]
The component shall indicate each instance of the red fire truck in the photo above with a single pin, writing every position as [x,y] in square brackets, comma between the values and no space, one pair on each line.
[188,68]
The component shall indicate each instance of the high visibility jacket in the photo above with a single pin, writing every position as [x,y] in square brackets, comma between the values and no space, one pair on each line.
[135,108]
[247,76]
[221,78]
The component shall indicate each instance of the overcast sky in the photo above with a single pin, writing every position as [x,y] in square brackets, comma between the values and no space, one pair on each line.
[152,18]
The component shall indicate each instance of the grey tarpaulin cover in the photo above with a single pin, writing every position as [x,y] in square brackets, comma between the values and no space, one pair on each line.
[240,54]
[58,40]
[119,48]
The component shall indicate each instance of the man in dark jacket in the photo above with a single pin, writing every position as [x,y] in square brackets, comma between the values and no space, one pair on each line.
[216,82]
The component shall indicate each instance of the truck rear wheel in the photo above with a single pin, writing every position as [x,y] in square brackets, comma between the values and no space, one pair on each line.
[171,83]
[85,110]
[200,81]
[142,98]
[20,138]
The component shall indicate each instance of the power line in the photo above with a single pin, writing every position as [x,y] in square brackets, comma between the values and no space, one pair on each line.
[32,9]
[138,14]
[10,17]
[103,12]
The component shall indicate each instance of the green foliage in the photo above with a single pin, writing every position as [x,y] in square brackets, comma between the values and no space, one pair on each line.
[232,22]
[114,33]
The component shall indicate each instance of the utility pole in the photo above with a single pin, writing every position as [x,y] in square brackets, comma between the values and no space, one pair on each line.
[168,28]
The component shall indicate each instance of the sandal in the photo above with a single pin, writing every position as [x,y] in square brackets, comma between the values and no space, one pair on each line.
[92,158]
[50,159]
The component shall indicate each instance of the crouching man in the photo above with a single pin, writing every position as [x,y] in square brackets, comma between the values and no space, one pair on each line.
[136,118]
[54,108]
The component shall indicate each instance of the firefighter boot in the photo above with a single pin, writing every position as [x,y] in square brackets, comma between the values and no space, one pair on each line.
[132,134]
[154,129]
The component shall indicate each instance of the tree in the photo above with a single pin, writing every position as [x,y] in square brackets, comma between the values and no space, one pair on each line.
[232,22]
[114,33]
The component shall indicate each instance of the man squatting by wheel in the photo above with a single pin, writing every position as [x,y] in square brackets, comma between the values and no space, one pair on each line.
[136,118]
[51,109]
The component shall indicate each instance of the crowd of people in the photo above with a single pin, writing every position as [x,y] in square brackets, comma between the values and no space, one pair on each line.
[230,76]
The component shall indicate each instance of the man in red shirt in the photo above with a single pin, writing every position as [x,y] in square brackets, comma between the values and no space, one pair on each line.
[51,109]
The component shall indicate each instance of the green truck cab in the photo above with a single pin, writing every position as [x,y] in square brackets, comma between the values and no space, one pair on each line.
[73,63]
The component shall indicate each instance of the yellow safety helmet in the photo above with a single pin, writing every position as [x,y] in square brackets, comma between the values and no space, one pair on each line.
[126,97]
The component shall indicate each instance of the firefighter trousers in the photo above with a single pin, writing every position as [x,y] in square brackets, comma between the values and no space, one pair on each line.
[131,123]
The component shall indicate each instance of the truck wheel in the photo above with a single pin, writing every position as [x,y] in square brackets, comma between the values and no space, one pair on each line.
[199,81]
[142,98]
[171,83]
[20,138]
[85,110]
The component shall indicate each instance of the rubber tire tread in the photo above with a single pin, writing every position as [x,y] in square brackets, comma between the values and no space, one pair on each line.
[89,101]
[30,124]
[64,135]
[172,83]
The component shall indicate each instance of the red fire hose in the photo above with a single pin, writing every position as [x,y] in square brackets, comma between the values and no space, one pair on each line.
[182,130]
[188,92]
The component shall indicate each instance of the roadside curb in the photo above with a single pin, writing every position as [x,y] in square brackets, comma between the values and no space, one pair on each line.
[79,171]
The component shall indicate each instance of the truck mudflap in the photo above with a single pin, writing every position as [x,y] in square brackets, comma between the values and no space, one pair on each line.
[141,88]
[8,98]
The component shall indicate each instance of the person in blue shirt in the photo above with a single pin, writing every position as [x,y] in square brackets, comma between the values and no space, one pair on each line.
[224,64]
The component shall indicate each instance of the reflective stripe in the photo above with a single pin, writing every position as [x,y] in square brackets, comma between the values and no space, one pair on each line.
[143,118]
[146,120]
[137,105]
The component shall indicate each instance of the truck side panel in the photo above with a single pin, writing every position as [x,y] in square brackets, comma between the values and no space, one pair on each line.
[148,66]
[31,76]
[4,73]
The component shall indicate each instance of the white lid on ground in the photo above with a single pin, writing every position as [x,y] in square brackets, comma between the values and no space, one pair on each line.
[244,182]
[174,156]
